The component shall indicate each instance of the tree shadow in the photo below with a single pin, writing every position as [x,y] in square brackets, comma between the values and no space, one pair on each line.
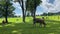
[0,23]
[28,28]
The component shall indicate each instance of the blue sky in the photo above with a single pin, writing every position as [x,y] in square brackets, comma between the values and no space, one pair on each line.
[40,9]
[51,1]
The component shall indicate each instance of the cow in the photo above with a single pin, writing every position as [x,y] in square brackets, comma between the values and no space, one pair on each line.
[40,21]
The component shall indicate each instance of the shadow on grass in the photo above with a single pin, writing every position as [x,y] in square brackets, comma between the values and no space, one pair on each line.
[0,23]
[27,28]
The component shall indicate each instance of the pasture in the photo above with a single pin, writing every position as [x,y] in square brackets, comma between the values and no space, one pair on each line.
[18,27]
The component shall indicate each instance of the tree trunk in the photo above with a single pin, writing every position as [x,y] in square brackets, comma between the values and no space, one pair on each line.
[6,15]
[23,11]
[6,19]
[34,11]
[6,7]
[34,15]
[22,6]
[23,16]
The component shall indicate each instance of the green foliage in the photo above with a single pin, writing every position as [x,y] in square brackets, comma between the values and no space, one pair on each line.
[3,5]
[30,4]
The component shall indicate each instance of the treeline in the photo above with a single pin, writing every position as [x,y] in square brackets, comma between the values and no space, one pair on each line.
[50,14]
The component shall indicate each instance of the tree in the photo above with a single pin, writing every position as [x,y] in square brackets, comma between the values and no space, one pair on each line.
[6,8]
[21,2]
[32,5]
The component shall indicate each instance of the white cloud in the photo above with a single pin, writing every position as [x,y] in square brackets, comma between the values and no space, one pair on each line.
[51,7]
[57,5]
[16,5]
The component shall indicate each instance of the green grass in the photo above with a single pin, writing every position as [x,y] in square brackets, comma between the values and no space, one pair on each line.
[18,27]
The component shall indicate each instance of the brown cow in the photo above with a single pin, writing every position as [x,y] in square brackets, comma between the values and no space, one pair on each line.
[40,21]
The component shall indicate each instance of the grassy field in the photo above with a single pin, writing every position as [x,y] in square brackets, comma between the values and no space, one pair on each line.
[18,27]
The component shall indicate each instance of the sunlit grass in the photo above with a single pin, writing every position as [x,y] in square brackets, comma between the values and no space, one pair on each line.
[18,27]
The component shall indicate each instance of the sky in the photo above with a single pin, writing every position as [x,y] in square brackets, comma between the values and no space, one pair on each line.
[46,6]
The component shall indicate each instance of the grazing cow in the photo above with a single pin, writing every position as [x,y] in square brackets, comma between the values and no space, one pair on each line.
[40,21]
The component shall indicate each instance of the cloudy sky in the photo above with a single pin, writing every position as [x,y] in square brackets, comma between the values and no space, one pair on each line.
[46,6]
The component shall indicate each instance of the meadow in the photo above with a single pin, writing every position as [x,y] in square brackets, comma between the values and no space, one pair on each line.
[18,27]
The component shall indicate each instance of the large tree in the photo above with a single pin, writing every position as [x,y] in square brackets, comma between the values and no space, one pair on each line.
[32,5]
[29,6]
[6,8]
[21,2]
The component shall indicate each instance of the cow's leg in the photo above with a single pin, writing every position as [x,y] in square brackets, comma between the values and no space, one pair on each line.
[40,25]
[34,24]
[44,24]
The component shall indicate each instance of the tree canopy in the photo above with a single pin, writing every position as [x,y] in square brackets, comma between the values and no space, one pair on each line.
[3,8]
